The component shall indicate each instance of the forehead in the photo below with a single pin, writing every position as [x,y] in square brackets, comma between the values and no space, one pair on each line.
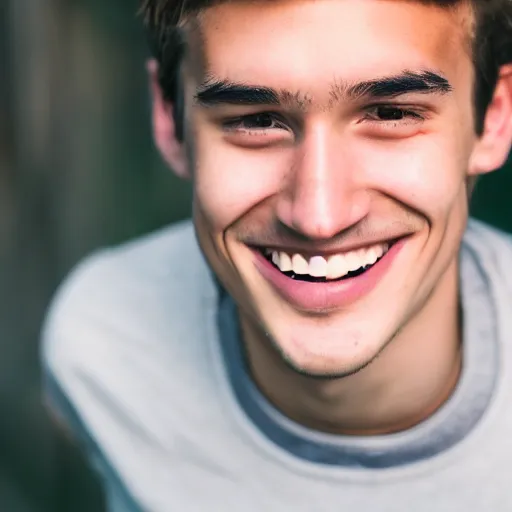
[290,43]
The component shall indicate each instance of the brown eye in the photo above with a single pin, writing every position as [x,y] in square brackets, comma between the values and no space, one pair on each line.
[259,130]
[255,122]
[392,121]
[258,121]
[384,113]
[389,113]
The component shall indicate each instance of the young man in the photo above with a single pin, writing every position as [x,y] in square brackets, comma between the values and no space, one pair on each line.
[339,336]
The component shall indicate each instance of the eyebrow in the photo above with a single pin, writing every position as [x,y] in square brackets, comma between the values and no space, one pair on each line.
[389,87]
[216,91]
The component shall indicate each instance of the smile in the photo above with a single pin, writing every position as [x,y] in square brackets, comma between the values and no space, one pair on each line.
[323,282]
[319,269]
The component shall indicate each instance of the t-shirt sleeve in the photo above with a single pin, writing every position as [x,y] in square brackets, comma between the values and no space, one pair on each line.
[68,351]
[64,339]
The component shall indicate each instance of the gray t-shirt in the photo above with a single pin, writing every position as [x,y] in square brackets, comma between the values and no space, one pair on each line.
[144,362]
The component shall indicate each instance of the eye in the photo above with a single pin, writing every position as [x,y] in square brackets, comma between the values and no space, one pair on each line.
[388,121]
[391,113]
[255,123]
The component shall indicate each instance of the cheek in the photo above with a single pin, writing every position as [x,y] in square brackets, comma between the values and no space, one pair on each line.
[230,181]
[426,173]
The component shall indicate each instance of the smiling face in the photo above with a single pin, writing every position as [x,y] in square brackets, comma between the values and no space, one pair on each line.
[332,141]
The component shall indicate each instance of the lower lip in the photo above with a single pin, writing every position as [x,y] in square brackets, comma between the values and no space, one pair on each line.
[321,297]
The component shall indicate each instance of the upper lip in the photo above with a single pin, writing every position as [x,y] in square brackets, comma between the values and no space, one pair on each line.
[328,250]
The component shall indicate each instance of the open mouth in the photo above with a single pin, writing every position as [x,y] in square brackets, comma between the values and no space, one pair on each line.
[324,269]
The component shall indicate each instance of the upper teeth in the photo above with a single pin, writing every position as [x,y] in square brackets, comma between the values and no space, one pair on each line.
[333,267]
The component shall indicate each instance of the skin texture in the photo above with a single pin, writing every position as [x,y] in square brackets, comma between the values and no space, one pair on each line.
[326,173]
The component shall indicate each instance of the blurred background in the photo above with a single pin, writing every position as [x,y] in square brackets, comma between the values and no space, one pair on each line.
[78,171]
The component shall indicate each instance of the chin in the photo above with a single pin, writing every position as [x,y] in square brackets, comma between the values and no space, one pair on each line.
[327,359]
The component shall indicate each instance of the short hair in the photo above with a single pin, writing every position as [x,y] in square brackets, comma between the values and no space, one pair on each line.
[491,42]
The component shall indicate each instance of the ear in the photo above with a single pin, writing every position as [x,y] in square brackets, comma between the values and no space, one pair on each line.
[164,129]
[493,146]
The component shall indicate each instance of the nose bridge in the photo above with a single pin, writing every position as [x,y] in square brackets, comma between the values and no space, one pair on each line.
[320,200]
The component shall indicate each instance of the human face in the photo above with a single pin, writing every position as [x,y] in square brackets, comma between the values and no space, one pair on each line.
[331,128]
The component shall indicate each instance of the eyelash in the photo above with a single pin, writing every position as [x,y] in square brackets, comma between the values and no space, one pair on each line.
[236,124]
[408,114]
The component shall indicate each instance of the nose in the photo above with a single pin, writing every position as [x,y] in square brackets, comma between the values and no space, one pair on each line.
[322,196]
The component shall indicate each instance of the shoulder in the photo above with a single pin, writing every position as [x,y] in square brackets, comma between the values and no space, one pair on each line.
[127,351]
[492,244]
[122,302]
[492,249]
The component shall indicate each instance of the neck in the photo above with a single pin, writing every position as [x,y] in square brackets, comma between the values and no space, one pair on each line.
[413,376]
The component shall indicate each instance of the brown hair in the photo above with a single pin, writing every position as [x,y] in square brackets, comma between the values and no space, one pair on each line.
[492,42]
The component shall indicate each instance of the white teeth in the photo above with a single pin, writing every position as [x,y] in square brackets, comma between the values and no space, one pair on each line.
[371,257]
[336,267]
[318,266]
[285,262]
[300,265]
[353,260]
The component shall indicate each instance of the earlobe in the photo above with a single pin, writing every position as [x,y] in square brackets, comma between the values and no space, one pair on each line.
[164,127]
[493,147]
